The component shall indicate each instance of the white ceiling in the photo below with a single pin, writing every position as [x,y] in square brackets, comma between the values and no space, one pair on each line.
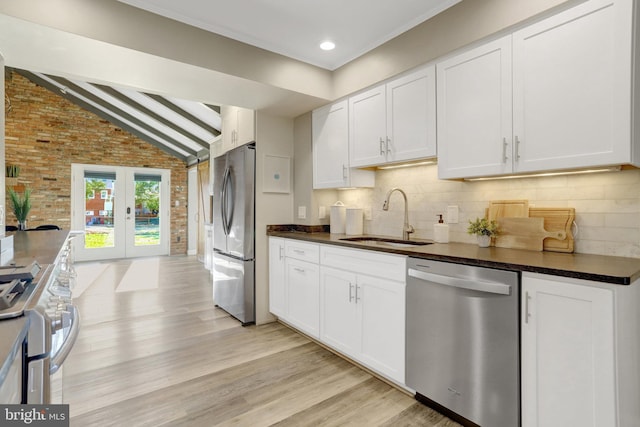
[295,28]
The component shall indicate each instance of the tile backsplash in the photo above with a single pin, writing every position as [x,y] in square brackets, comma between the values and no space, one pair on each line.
[607,204]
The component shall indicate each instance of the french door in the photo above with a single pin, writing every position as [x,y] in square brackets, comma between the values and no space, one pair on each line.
[123,212]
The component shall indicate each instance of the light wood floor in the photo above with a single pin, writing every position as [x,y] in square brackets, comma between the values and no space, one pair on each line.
[166,356]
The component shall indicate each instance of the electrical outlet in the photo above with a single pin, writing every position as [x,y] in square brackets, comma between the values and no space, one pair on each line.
[452,214]
[302,212]
[367,214]
[322,212]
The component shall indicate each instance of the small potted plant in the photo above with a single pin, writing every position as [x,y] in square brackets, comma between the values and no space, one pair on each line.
[484,230]
[21,205]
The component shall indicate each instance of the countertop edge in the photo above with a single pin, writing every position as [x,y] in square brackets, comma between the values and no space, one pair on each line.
[595,268]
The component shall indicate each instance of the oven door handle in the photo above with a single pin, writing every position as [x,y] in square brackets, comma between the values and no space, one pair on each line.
[61,356]
[473,285]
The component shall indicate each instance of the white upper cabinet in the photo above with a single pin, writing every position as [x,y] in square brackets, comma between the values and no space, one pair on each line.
[238,127]
[474,112]
[367,127]
[572,88]
[411,116]
[394,122]
[331,167]
[569,93]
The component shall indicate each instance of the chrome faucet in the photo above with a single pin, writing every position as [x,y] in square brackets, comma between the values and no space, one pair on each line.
[407,228]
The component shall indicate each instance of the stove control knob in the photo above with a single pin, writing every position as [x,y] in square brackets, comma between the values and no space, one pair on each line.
[60,319]
[54,319]
[61,291]
[66,318]
[59,303]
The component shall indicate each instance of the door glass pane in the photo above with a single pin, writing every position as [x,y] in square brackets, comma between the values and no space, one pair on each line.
[98,217]
[147,210]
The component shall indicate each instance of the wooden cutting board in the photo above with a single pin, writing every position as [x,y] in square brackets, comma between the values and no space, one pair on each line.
[524,233]
[557,219]
[508,208]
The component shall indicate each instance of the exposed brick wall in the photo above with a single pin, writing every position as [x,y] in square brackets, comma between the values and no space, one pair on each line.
[45,134]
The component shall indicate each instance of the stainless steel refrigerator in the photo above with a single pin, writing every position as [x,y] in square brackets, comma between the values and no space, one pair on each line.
[234,232]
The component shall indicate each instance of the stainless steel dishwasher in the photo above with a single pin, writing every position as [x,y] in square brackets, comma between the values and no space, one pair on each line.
[463,345]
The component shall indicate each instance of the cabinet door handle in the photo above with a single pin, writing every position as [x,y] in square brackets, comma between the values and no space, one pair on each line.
[517,148]
[388,149]
[299,251]
[299,270]
[281,250]
[527,315]
[357,297]
[344,172]
[350,292]
[504,150]
[382,149]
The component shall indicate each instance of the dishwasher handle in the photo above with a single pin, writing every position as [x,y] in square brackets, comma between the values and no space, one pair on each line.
[474,285]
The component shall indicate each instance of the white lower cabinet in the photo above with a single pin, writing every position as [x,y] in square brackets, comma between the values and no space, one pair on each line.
[361,315]
[381,311]
[294,283]
[349,299]
[303,295]
[277,286]
[339,323]
[568,353]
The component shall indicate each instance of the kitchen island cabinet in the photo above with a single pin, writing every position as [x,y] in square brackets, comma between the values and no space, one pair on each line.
[579,353]
[330,147]
[554,95]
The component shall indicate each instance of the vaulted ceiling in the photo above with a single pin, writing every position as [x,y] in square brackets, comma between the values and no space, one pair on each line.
[184,129]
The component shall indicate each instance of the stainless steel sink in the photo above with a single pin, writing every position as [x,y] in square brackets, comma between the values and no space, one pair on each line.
[382,241]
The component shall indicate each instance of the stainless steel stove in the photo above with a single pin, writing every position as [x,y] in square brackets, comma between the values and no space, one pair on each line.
[43,294]
[17,288]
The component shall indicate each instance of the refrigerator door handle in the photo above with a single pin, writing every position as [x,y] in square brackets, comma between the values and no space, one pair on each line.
[223,201]
[229,211]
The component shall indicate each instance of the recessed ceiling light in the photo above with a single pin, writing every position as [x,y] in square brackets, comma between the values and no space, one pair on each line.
[327,45]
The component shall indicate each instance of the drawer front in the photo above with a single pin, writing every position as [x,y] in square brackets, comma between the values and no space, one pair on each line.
[302,251]
[371,263]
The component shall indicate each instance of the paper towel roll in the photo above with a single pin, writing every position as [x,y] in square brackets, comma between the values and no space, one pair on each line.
[337,218]
[355,219]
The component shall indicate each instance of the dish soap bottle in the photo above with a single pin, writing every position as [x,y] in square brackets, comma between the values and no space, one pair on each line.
[441,231]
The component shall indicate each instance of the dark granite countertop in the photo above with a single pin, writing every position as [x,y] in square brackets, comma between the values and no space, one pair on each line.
[599,268]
